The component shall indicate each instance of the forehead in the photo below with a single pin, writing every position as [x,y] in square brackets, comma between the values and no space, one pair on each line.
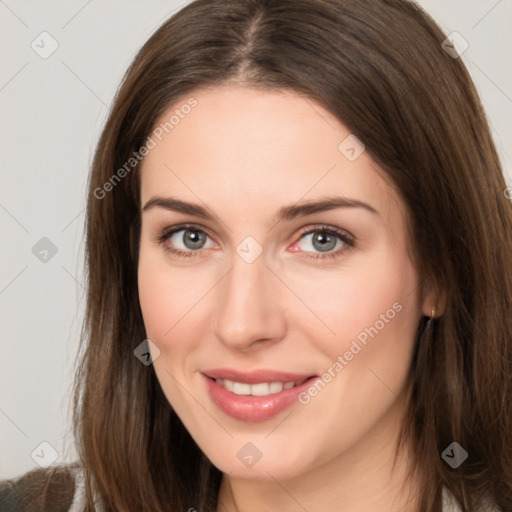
[249,147]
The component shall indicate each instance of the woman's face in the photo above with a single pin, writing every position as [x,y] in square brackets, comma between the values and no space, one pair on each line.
[267,290]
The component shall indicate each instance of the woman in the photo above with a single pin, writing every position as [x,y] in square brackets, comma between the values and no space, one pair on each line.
[298,251]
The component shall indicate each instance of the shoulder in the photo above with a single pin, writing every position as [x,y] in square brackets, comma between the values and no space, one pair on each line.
[41,490]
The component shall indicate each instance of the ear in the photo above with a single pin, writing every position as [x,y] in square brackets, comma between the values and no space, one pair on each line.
[434,303]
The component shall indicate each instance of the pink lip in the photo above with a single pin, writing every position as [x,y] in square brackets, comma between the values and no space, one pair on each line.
[254,408]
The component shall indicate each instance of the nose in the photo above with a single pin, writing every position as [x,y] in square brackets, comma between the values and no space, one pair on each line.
[250,308]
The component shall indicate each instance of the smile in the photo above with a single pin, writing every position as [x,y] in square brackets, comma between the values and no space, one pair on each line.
[254,396]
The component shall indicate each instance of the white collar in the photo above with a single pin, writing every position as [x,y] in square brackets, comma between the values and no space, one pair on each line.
[450,504]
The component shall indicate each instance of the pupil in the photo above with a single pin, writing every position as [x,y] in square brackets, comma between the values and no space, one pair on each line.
[326,242]
[193,239]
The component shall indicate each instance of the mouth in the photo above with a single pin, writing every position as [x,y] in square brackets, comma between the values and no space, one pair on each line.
[255,396]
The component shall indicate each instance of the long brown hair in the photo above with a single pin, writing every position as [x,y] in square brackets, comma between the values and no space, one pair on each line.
[380,68]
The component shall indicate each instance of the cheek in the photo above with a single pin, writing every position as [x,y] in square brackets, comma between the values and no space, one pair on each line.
[165,300]
[372,312]
[375,334]
[374,298]
[374,316]
[155,300]
[165,294]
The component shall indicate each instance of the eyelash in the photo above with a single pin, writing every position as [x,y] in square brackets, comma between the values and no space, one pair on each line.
[342,235]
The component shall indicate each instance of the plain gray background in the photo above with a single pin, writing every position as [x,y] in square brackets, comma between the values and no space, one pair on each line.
[52,110]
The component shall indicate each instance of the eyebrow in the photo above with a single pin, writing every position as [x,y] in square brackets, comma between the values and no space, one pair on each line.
[286,213]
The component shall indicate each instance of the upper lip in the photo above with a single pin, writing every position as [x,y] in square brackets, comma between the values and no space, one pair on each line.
[256,376]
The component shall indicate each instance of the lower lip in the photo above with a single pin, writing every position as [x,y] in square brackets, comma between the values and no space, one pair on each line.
[254,408]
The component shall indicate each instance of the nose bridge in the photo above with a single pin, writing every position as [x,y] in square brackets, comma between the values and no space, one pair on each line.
[248,310]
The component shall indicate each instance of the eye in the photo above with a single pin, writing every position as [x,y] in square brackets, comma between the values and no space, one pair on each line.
[188,240]
[327,240]
[184,241]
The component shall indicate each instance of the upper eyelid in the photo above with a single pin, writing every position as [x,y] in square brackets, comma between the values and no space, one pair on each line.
[171,230]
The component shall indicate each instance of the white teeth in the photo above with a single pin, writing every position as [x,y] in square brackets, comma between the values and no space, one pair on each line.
[276,387]
[239,388]
[260,389]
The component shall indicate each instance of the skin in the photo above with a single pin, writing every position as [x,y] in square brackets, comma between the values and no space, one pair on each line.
[245,153]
